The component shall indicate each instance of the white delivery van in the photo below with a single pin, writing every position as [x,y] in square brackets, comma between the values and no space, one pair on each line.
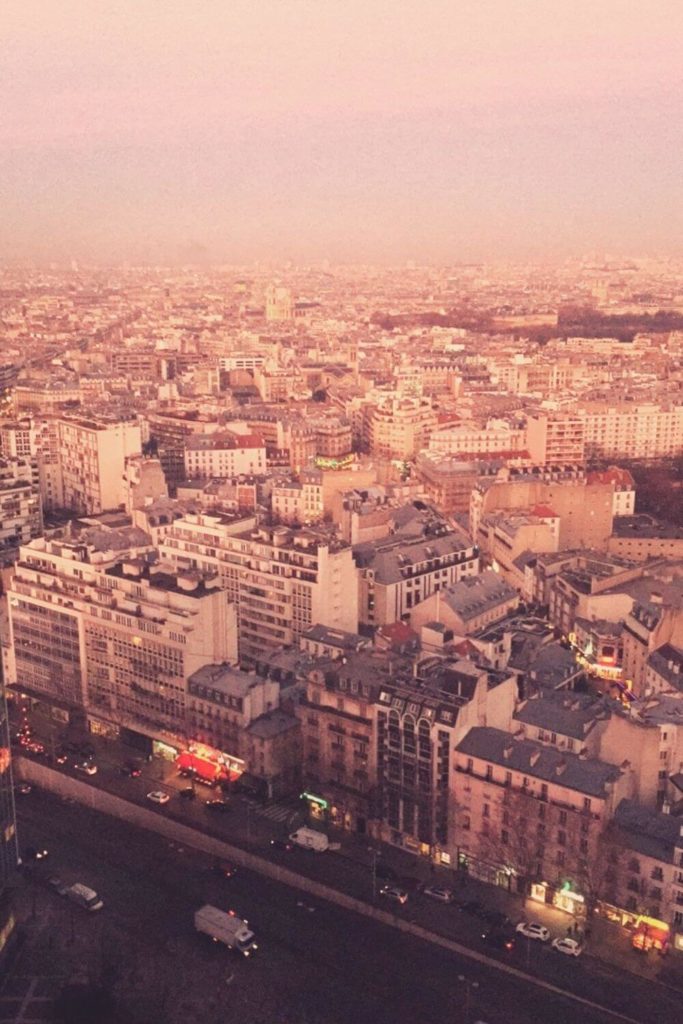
[226,927]
[310,839]
[84,897]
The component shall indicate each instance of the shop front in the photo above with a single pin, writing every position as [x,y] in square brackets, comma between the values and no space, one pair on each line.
[650,933]
[208,763]
[565,898]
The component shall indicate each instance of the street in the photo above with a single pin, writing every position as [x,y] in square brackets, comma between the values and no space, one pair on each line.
[316,963]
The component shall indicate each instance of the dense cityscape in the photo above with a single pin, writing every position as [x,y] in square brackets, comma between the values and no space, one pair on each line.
[299,547]
[341,512]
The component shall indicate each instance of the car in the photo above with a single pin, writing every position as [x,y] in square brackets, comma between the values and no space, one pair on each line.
[385,871]
[186,773]
[56,883]
[224,868]
[61,757]
[474,907]
[34,747]
[499,938]
[133,771]
[439,893]
[282,844]
[157,797]
[217,805]
[86,767]
[72,748]
[33,853]
[495,918]
[570,947]
[391,892]
[187,793]
[533,930]
[409,882]
[23,788]
[86,749]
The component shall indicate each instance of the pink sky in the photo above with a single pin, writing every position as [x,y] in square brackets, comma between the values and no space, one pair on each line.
[322,127]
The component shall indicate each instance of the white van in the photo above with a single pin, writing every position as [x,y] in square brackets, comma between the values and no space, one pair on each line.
[310,839]
[84,897]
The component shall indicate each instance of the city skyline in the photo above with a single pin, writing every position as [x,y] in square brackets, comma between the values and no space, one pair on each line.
[377,133]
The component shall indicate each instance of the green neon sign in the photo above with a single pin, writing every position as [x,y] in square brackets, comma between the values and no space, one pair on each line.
[315,800]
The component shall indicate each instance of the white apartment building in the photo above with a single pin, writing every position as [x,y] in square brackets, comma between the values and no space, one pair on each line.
[627,430]
[555,439]
[473,440]
[396,428]
[93,456]
[38,441]
[98,630]
[282,581]
[224,455]
[20,511]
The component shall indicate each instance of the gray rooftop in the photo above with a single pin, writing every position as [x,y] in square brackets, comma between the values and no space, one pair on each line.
[585,775]
[650,833]
[572,715]
[474,595]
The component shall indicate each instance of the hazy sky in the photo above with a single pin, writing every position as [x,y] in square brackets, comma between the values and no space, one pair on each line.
[376,130]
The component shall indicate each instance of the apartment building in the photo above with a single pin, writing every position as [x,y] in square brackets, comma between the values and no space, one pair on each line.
[584,509]
[449,480]
[21,516]
[333,437]
[632,431]
[9,852]
[282,581]
[399,572]
[223,455]
[503,537]
[298,501]
[467,606]
[555,439]
[493,439]
[530,817]
[222,703]
[397,428]
[337,724]
[102,631]
[92,456]
[641,538]
[649,625]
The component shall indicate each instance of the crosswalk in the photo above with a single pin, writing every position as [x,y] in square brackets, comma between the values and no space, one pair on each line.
[276,812]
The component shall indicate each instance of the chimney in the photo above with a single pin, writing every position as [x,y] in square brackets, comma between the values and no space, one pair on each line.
[534,757]
[561,767]
[507,751]
[583,753]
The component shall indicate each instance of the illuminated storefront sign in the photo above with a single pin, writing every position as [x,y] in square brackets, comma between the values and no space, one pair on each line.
[313,799]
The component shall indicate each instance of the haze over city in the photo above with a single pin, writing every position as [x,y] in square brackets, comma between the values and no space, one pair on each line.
[355,132]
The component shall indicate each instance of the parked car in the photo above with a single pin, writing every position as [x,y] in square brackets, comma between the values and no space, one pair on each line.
[86,767]
[391,892]
[61,757]
[217,805]
[23,788]
[187,793]
[224,868]
[438,893]
[56,883]
[34,747]
[533,930]
[500,939]
[157,797]
[473,907]
[409,882]
[495,918]
[570,947]
[132,770]
[282,844]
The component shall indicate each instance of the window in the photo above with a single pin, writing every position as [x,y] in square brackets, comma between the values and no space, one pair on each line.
[489,772]
[562,838]
[563,818]
[586,803]
[487,811]
[470,765]
[657,874]
[466,824]
[544,791]
[504,837]
[634,866]
[583,846]
[655,893]
[633,885]
[560,858]
[508,778]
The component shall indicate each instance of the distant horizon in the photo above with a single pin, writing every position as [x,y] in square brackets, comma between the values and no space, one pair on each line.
[513,131]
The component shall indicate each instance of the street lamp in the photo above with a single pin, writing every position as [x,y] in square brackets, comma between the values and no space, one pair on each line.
[469,985]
